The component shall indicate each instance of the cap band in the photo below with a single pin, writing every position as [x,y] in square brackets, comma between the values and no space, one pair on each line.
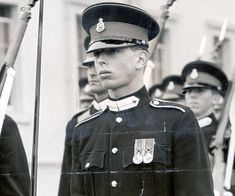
[203,78]
[102,45]
[119,31]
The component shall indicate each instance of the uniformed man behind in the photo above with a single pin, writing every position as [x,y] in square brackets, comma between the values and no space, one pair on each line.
[85,97]
[204,85]
[136,146]
[156,91]
[99,103]
[173,88]
[14,171]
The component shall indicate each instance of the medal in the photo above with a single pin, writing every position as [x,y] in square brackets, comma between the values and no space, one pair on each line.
[138,150]
[148,150]
[143,150]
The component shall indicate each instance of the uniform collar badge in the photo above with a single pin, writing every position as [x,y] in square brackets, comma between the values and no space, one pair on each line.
[100,26]
[171,86]
[123,104]
[203,122]
[194,74]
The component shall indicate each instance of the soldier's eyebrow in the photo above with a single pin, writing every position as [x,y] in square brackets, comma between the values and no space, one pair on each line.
[97,52]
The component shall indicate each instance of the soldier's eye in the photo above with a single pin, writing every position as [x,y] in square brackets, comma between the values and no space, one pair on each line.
[97,53]
[111,51]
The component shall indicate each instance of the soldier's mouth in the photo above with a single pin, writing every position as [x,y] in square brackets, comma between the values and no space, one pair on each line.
[104,73]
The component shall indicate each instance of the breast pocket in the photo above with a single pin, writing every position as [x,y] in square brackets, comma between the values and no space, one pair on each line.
[92,161]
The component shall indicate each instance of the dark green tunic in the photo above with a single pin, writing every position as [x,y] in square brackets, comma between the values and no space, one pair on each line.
[180,164]
[14,172]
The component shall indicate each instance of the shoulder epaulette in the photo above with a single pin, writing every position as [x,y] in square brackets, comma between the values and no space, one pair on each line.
[158,103]
[95,115]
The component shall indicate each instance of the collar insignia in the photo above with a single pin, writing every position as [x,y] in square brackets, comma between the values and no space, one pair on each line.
[203,122]
[123,104]
[194,74]
[100,26]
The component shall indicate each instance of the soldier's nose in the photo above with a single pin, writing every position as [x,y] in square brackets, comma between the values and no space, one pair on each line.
[101,62]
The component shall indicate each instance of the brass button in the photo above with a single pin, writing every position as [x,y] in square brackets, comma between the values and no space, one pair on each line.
[87,165]
[114,150]
[114,183]
[119,119]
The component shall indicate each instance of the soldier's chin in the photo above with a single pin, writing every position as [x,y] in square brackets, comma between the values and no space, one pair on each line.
[193,106]
[109,84]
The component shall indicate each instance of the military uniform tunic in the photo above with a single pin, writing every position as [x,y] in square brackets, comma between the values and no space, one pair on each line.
[14,172]
[103,151]
[64,186]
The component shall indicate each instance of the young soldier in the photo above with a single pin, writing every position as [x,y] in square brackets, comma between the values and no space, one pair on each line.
[14,171]
[204,84]
[136,146]
[98,104]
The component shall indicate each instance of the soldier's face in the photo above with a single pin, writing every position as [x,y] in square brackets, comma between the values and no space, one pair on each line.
[116,67]
[94,81]
[200,100]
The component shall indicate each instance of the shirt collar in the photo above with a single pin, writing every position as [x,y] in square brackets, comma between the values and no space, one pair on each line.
[102,105]
[206,121]
[130,101]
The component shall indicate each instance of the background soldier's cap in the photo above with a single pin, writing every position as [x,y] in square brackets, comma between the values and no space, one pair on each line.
[90,59]
[173,88]
[114,25]
[203,74]
[156,91]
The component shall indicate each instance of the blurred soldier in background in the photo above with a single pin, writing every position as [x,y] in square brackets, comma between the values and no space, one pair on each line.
[137,146]
[14,172]
[173,89]
[204,85]
[98,104]
[85,97]
[156,91]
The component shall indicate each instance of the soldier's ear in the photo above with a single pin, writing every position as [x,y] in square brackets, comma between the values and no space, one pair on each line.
[142,59]
[217,99]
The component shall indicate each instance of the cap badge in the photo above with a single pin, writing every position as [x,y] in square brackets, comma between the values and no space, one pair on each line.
[158,93]
[100,26]
[171,86]
[194,74]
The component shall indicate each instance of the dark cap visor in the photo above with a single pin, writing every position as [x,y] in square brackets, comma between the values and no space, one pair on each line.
[196,85]
[102,45]
[88,61]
